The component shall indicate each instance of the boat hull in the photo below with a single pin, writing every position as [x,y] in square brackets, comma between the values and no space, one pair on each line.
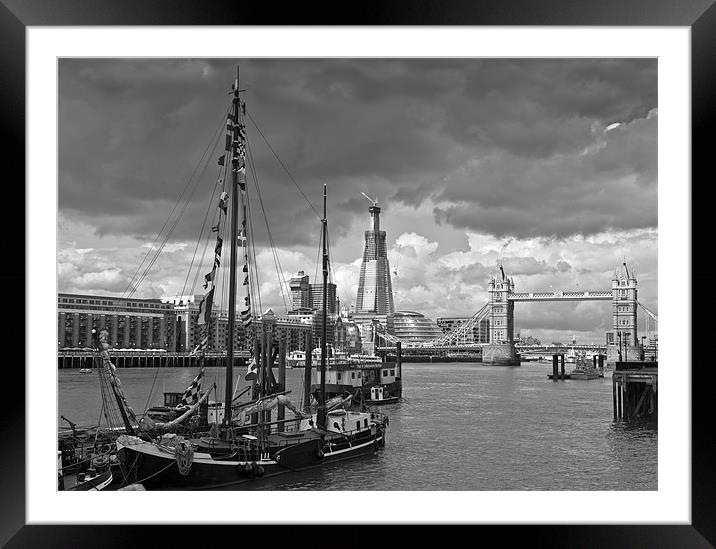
[99,482]
[143,462]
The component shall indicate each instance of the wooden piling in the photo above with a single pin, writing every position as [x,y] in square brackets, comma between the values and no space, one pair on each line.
[555,367]
[399,359]
[614,396]
[561,367]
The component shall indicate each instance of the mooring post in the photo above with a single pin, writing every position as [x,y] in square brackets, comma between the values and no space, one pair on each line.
[620,409]
[555,367]
[601,361]
[399,359]
[561,366]
[281,414]
[614,396]
[594,361]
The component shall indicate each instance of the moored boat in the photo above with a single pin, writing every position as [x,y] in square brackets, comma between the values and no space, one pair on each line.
[242,442]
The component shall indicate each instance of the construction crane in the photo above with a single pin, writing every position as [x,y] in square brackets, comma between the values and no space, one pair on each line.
[374,202]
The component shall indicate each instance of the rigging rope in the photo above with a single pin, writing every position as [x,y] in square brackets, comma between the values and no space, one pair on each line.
[172,229]
[277,262]
[166,221]
[282,165]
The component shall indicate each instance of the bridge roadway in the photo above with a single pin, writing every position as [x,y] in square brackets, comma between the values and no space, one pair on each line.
[561,296]
[477,348]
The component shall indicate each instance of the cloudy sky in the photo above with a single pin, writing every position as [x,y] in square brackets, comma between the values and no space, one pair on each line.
[548,166]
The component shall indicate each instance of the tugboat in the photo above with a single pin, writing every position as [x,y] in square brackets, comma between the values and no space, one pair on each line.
[369,378]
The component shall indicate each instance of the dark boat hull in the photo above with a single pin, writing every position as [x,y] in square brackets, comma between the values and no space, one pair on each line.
[160,471]
[389,400]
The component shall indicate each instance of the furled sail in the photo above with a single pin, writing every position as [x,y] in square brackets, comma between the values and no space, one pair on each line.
[268,404]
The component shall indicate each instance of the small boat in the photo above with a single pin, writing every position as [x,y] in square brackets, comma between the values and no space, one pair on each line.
[85,370]
[379,396]
[91,474]
[296,359]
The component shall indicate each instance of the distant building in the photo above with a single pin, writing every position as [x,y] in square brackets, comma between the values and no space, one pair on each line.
[169,323]
[412,327]
[316,302]
[527,340]
[309,297]
[300,291]
[480,332]
[374,300]
[130,322]
[347,336]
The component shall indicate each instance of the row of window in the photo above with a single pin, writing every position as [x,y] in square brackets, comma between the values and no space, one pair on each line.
[105,302]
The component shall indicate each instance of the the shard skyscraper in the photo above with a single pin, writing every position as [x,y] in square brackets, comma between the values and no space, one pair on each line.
[375,291]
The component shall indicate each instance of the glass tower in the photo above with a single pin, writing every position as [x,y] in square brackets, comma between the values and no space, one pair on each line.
[375,291]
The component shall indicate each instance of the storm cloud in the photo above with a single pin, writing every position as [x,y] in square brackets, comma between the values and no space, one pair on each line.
[464,155]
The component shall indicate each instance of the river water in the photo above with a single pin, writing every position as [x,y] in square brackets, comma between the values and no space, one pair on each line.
[460,426]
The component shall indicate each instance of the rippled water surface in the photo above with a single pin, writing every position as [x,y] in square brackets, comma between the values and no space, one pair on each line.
[460,426]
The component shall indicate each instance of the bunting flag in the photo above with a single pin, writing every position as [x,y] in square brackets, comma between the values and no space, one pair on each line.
[209,277]
[246,280]
[241,178]
[246,268]
[227,144]
[205,307]
[243,106]
[247,299]
[191,395]
[223,201]
[241,239]
[221,160]
[219,244]
[215,228]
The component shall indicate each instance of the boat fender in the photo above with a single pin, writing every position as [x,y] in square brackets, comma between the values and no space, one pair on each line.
[387,421]
[375,445]
[246,469]
[252,471]
[259,471]
[382,440]
[319,453]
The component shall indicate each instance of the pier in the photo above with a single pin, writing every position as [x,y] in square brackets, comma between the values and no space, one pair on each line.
[145,358]
[635,390]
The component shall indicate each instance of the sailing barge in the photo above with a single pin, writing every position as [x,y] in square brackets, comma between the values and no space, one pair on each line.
[242,442]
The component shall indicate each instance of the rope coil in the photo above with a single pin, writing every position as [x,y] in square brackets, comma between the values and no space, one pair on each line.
[184,455]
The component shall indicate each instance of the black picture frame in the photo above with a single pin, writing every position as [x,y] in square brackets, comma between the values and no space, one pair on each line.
[699,15]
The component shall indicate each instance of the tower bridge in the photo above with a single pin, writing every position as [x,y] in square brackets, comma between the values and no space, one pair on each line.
[499,311]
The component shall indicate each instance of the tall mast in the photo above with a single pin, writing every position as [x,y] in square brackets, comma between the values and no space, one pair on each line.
[232,263]
[321,413]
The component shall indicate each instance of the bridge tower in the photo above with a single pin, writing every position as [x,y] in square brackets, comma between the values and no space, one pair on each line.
[501,315]
[502,309]
[624,314]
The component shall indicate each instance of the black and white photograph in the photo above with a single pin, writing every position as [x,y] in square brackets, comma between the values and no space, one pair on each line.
[357,274]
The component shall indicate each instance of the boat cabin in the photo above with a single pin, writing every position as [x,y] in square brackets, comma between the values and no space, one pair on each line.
[215,412]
